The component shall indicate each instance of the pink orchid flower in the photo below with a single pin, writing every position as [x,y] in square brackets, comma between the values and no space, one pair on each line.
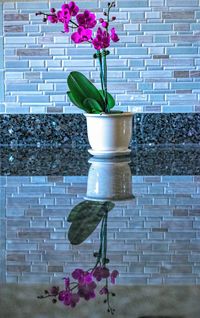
[114,36]
[81,35]
[53,18]
[63,16]
[105,24]
[72,7]
[87,19]
[102,39]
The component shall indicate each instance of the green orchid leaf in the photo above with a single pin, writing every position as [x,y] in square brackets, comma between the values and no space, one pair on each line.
[77,102]
[93,104]
[82,88]
[111,101]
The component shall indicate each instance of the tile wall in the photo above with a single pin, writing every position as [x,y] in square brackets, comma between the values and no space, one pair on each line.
[154,68]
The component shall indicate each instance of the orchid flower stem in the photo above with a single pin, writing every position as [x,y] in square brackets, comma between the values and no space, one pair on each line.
[46,296]
[105,238]
[101,74]
[101,241]
[74,23]
[105,80]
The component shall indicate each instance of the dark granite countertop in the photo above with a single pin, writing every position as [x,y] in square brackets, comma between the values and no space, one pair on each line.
[144,160]
[70,129]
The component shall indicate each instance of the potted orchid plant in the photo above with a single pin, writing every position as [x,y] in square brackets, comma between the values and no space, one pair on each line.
[109,132]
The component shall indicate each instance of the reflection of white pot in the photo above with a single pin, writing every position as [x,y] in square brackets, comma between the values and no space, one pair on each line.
[109,135]
[109,179]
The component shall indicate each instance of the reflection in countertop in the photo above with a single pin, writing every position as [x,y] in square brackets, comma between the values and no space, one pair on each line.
[152,231]
[144,160]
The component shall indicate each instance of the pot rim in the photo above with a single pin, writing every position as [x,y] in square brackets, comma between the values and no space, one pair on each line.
[122,114]
[129,197]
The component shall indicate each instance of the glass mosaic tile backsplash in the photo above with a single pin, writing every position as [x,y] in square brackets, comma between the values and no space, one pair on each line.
[154,67]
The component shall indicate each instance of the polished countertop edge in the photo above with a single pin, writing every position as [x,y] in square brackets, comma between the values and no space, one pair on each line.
[69,161]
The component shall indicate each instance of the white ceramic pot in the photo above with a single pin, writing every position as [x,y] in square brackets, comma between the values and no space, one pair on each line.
[109,179]
[109,134]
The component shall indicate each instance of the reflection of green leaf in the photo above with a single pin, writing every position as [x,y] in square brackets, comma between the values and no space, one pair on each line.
[85,217]
[85,208]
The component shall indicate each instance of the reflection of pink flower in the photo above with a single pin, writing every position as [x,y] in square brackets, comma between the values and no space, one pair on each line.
[101,272]
[114,36]
[81,35]
[67,282]
[87,19]
[54,290]
[68,298]
[88,278]
[82,277]
[102,40]
[87,291]
[113,275]
[103,291]
[77,273]
[74,299]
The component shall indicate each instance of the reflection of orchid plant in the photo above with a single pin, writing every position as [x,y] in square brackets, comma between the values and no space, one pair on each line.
[84,283]
[82,92]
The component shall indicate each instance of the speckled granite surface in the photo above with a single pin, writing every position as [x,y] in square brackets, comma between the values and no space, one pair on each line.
[70,129]
[131,302]
[166,129]
[144,160]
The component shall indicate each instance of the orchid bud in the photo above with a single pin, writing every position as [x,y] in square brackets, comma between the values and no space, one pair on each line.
[113,18]
[105,24]
[101,20]
[53,10]
[44,20]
